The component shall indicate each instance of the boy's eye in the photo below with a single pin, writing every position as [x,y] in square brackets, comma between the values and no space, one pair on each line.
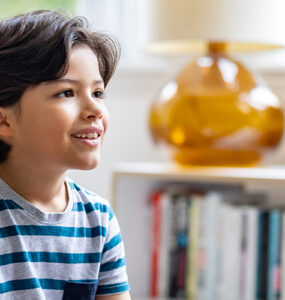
[70,93]
[99,94]
[65,94]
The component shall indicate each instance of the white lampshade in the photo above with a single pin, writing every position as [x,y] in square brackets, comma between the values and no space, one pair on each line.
[183,26]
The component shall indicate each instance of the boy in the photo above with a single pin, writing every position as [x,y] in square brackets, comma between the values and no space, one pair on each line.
[57,240]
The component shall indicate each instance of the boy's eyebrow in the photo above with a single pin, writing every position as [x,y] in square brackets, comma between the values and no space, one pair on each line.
[68,80]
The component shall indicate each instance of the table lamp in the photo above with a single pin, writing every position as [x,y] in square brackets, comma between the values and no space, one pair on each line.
[215,112]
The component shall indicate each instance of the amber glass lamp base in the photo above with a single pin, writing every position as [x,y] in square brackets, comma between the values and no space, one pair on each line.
[216,113]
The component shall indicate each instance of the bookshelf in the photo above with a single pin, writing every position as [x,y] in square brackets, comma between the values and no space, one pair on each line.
[132,184]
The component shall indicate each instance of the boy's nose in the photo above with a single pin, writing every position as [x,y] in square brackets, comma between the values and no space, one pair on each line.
[92,108]
[95,117]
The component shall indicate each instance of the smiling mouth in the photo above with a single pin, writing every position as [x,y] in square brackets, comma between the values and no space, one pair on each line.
[89,135]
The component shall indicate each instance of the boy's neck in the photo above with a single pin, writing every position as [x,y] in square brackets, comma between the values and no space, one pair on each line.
[44,190]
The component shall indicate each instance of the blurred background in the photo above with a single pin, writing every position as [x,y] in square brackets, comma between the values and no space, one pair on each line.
[138,79]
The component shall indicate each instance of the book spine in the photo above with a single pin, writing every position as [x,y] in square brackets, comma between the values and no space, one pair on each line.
[277,275]
[261,292]
[173,269]
[251,257]
[202,251]
[165,245]
[192,248]
[181,240]
[156,203]
[273,246]
[244,252]
[220,291]
[232,249]
[282,297]
[213,206]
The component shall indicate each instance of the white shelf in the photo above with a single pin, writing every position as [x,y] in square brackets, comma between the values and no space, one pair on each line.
[173,171]
[134,182]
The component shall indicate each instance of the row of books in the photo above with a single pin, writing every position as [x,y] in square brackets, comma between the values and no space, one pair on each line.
[208,245]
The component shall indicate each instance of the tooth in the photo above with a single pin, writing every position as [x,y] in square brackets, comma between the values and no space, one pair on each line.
[88,135]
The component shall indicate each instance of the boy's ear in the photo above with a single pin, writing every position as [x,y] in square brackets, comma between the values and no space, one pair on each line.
[5,128]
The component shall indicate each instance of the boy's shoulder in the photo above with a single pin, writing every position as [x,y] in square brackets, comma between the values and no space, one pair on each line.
[88,200]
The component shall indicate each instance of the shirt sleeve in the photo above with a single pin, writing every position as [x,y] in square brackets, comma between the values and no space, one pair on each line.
[113,277]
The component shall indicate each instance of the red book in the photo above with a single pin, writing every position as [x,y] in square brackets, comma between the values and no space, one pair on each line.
[156,236]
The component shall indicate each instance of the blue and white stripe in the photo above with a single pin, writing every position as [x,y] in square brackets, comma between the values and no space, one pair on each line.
[40,252]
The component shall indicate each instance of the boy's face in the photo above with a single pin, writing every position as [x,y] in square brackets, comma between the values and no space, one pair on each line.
[54,113]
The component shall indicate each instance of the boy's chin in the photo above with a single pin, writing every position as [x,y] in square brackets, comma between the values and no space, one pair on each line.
[87,164]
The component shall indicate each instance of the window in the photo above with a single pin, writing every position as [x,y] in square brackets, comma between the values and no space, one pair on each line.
[9,8]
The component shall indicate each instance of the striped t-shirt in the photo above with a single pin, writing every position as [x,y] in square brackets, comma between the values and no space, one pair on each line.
[75,254]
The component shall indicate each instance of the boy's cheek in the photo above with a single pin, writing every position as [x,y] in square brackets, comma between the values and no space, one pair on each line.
[105,119]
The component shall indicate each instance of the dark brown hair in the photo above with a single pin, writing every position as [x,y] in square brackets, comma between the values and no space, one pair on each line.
[35,47]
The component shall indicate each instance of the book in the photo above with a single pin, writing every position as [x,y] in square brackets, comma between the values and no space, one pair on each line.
[192,249]
[201,261]
[213,205]
[282,275]
[249,254]
[220,288]
[232,252]
[175,255]
[262,255]
[165,244]
[274,224]
[210,245]
[180,209]
[155,245]
[278,275]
